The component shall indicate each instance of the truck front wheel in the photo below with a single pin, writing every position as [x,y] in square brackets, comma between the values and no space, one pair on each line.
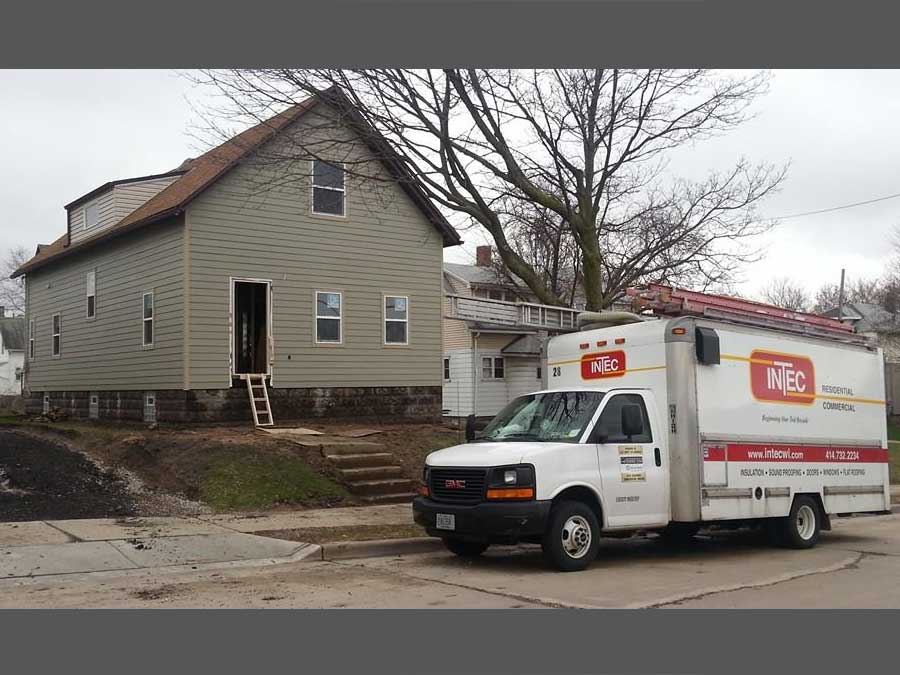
[572,537]
[802,527]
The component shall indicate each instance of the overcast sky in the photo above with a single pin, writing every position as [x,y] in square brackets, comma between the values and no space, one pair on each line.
[67,132]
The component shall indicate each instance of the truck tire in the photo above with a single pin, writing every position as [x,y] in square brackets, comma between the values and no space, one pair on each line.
[802,527]
[465,549]
[679,534]
[572,538]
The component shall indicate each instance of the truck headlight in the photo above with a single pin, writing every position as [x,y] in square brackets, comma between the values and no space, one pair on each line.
[511,482]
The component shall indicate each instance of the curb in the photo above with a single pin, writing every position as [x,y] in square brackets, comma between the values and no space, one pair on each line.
[375,548]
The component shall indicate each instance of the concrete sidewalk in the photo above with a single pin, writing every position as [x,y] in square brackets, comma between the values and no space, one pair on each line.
[39,548]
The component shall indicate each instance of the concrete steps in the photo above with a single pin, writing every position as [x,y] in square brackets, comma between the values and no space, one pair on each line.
[355,461]
[382,486]
[369,472]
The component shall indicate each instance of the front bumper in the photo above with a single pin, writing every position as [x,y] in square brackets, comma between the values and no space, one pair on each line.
[492,522]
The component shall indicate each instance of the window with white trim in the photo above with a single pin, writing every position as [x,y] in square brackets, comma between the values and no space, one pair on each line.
[31,339]
[91,215]
[447,369]
[56,325]
[328,188]
[493,368]
[328,317]
[147,322]
[396,320]
[91,294]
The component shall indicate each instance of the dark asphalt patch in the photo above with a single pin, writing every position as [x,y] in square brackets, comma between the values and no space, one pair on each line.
[47,481]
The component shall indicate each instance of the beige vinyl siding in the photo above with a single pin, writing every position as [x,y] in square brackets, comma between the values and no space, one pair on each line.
[129,196]
[107,217]
[384,246]
[114,204]
[105,353]
[456,333]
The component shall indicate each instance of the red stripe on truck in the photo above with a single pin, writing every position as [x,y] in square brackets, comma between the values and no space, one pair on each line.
[743,452]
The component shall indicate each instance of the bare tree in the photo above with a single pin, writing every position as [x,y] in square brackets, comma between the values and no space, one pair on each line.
[12,291]
[786,293]
[875,291]
[587,146]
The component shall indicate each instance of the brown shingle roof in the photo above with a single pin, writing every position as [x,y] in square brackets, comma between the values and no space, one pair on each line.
[203,172]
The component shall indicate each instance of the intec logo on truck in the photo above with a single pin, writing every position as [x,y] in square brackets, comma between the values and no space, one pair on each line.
[603,364]
[782,378]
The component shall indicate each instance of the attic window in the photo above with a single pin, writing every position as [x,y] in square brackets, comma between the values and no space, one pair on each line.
[91,215]
[329,192]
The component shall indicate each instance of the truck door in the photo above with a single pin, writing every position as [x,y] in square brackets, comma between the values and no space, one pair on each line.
[633,468]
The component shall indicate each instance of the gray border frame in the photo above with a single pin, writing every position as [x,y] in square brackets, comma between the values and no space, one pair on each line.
[723,33]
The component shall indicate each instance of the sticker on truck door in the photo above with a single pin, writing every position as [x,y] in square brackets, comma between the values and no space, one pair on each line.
[631,463]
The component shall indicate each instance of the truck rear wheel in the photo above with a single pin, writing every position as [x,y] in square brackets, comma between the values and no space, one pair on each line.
[572,537]
[802,527]
[465,549]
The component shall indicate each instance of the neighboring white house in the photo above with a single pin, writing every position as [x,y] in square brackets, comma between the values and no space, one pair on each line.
[12,353]
[492,335]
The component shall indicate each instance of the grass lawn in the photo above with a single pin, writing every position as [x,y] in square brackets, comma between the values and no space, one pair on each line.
[262,481]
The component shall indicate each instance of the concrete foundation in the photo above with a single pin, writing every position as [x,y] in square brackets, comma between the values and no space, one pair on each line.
[232,405]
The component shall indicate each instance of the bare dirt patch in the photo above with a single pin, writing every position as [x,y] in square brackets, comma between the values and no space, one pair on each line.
[45,480]
[175,470]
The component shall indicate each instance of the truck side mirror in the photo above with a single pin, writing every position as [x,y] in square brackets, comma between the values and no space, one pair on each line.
[706,341]
[632,420]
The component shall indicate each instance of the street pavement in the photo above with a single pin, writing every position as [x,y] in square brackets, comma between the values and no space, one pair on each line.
[855,565]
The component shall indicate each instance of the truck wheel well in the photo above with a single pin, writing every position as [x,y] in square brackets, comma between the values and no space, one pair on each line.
[815,496]
[579,493]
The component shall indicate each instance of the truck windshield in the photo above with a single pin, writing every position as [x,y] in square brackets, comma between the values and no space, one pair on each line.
[558,416]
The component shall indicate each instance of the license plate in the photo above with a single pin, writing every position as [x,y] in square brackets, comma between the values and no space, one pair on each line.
[445,521]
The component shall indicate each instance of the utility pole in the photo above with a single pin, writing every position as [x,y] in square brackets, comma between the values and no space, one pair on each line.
[841,298]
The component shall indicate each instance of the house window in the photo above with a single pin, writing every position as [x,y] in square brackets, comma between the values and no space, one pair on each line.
[447,369]
[91,215]
[91,293]
[148,309]
[492,368]
[538,373]
[18,374]
[396,320]
[328,317]
[56,333]
[149,406]
[496,295]
[31,339]
[329,193]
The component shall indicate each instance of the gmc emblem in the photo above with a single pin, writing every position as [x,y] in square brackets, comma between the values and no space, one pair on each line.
[455,484]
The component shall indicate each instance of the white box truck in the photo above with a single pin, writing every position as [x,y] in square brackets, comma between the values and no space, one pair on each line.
[716,412]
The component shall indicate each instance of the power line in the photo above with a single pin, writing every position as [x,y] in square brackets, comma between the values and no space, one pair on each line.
[839,208]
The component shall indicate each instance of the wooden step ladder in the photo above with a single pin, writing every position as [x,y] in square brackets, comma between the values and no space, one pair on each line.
[259,396]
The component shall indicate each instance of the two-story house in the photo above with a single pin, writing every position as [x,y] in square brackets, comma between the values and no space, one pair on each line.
[169,294]
[494,330]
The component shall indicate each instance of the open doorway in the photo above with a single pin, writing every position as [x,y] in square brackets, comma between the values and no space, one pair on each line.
[250,326]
